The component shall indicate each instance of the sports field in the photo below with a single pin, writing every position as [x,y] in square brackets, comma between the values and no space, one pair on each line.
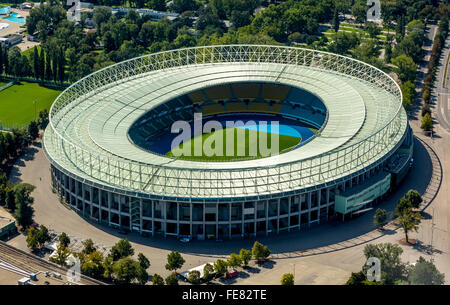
[239,149]
[16,103]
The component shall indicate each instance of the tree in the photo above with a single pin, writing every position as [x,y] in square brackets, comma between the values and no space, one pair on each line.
[108,264]
[359,11]
[172,279]
[18,64]
[10,200]
[208,271]
[259,251]
[194,277]
[48,67]
[391,266]
[36,71]
[408,92]
[409,221]
[157,280]
[246,256]
[427,123]
[343,42]
[42,236]
[388,49]
[234,260]
[61,255]
[64,239]
[141,274]
[380,218]
[101,15]
[414,198]
[180,6]
[287,279]
[143,261]
[24,211]
[372,29]
[220,267]
[425,273]
[125,270]
[88,247]
[93,265]
[157,5]
[33,130]
[426,109]
[406,67]
[121,249]
[43,119]
[174,261]
[356,278]
[32,241]
[336,20]
[402,206]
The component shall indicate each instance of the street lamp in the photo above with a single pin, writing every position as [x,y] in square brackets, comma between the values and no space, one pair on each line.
[34,102]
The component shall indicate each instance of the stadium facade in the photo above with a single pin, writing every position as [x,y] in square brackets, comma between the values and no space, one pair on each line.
[100,127]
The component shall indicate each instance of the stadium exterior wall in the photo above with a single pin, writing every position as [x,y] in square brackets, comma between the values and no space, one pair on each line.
[222,216]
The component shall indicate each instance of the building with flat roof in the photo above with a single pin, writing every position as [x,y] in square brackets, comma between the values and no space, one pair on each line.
[7,228]
[10,40]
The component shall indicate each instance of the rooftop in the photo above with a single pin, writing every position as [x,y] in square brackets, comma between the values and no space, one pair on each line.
[88,134]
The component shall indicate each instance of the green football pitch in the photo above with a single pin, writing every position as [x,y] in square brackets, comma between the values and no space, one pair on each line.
[16,103]
[241,152]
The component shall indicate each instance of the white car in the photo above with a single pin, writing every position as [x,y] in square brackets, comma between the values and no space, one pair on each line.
[185,240]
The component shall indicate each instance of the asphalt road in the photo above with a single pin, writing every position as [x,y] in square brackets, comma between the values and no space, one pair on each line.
[441,93]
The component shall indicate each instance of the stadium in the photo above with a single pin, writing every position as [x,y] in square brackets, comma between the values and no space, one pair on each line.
[343,135]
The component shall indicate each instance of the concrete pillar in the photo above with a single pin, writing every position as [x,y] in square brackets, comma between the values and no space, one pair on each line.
[204,220]
[217,220]
[141,214]
[229,221]
[178,219]
[267,217]
[164,217]
[120,210]
[255,217]
[278,215]
[328,201]
[242,220]
[153,217]
[108,199]
[309,207]
[190,219]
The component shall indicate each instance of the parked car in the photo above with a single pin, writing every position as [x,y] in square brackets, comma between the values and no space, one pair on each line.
[230,275]
[185,240]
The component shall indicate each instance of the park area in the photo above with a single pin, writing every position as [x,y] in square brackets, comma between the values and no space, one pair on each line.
[17,103]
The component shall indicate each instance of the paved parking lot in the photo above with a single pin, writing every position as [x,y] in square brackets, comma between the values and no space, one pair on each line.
[324,254]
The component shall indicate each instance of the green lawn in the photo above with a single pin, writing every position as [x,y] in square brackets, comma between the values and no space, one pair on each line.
[28,51]
[251,140]
[16,103]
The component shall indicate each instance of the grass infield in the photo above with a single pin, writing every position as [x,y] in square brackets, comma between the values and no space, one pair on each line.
[251,145]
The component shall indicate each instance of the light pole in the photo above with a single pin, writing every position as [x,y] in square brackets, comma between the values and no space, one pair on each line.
[293,264]
[432,231]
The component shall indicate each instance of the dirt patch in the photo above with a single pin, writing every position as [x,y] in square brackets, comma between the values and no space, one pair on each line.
[411,242]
